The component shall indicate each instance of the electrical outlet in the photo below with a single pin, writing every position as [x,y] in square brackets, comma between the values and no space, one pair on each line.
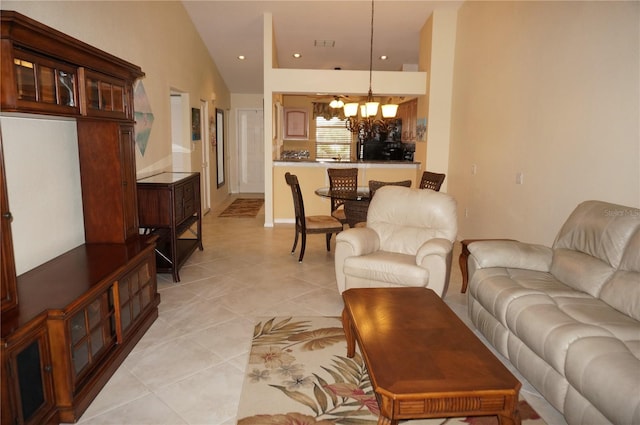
[474,169]
[519,177]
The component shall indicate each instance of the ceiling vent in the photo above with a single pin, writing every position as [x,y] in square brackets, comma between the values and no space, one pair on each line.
[324,43]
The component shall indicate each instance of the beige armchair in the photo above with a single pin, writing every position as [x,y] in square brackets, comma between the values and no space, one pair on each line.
[407,241]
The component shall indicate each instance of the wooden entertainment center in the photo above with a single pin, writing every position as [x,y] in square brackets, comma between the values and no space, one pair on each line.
[69,323]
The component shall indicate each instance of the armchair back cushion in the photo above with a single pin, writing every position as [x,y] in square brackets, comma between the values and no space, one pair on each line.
[405,218]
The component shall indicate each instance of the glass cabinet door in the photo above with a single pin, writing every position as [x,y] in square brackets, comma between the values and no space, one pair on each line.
[50,84]
[32,387]
[106,96]
[92,330]
[135,293]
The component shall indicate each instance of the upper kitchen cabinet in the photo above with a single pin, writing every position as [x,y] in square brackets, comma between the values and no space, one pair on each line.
[46,71]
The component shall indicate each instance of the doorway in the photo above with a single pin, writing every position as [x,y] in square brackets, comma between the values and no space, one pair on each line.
[250,151]
[205,173]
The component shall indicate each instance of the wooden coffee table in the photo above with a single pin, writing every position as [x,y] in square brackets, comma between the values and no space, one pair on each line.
[423,361]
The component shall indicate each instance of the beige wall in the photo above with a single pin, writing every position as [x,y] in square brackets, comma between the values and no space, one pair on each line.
[549,89]
[160,38]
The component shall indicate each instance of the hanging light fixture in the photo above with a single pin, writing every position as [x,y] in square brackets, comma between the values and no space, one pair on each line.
[336,103]
[366,126]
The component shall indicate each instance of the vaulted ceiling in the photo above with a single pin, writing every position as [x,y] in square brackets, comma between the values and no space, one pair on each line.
[328,34]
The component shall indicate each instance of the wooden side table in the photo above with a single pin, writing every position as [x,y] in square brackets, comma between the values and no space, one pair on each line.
[464,256]
[169,205]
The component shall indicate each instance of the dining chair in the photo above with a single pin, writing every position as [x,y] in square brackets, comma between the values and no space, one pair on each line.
[431,180]
[377,184]
[313,224]
[341,179]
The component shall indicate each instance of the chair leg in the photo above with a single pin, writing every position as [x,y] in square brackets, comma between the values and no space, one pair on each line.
[302,247]
[328,242]
[295,243]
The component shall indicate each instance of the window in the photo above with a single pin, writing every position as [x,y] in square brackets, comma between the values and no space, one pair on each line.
[333,140]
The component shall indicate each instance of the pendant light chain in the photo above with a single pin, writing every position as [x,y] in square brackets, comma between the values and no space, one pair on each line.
[371,56]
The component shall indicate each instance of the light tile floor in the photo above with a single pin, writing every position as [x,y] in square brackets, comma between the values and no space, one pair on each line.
[189,366]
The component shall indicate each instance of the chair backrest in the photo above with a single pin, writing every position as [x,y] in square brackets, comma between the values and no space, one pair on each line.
[405,218]
[344,179]
[298,203]
[376,184]
[431,180]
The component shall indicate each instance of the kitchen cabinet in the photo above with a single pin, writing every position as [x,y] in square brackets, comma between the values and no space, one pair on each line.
[408,113]
[69,323]
[169,206]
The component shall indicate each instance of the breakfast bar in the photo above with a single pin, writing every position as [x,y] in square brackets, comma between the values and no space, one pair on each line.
[313,175]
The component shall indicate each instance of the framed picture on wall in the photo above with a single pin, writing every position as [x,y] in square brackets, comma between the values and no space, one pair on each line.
[195,124]
[220,146]
[296,124]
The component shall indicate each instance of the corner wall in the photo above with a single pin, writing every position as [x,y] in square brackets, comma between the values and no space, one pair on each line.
[549,90]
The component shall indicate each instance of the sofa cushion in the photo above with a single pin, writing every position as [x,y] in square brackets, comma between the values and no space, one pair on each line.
[546,329]
[604,372]
[580,271]
[599,229]
[392,267]
[622,291]
[511,254]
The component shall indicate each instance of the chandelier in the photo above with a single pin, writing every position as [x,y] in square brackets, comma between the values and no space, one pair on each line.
[367,126]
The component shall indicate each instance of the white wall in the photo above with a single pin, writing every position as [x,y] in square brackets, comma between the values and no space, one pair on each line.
[45,198]
[551,90]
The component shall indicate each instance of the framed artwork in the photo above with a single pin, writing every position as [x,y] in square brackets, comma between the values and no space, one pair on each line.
[296,124]
[220,146]
[195,124]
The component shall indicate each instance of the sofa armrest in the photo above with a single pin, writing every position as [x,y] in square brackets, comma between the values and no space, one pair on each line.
[353,243]
[435,256]
[510,254]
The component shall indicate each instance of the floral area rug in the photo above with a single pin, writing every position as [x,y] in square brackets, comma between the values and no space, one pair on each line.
[299,374]
[243,207]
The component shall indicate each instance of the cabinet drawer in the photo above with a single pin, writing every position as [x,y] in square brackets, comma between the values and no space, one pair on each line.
[185,201]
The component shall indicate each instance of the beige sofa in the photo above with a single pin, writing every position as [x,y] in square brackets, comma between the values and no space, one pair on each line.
[568,317]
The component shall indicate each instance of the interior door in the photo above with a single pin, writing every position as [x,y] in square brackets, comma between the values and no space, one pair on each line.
[205,177]
[250,151]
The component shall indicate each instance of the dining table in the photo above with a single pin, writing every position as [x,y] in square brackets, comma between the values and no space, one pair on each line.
[356,202]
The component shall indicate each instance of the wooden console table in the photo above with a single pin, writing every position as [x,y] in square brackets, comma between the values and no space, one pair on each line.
[169,206]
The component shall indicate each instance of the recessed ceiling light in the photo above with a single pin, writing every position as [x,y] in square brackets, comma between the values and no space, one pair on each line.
[241,57]
[383,57]
[297,55]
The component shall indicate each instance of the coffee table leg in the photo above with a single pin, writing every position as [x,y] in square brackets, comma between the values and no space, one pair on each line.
[348,334]
[382,420]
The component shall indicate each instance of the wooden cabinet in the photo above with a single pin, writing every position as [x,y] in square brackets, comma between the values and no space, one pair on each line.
[408,113]
[68,324]
[169,206]
[99,319]
[107,171]
[104,96]
[27,382]
[9,295]
[39,84]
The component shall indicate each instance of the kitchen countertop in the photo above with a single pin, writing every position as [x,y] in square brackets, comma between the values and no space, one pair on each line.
[332,163]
